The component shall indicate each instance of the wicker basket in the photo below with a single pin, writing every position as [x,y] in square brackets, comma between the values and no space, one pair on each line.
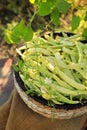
[46,110]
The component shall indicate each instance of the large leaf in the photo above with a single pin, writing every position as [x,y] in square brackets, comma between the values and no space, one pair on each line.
[7,37]
[85,18]
[28,34]
[55,17]
[44,0]
[62,6]
[75,22]
[19,32]
[45,8]
[85,33]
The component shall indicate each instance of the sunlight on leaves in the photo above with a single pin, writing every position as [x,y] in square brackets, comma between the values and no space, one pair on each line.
[18,33]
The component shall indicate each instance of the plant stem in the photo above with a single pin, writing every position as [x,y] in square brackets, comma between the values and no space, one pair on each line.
[32,18]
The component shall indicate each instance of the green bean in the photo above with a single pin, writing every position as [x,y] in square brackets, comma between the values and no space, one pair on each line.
[72,38]
[70,81]
[61,82]
[30,84]
[74,59]
[59,97]
[63,90]
[84,46]
[80,52]
[82,72]
[67,91]
[77,79]
[43,70]
[69,73]
[73,66]
[70,65]
[55,69]
[38,50]
[69,51]
[56,101]
[64,99]
[66,78]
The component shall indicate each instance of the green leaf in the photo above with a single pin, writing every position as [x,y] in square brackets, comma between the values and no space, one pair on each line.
[14,34]
[17,32]
[28,34]
[75,22]
[15,67]
[62,6]
[7,37]
[85,18]
[21,32]
[55,17]
[45,8]
[84,34]
[20,63]
[44,0]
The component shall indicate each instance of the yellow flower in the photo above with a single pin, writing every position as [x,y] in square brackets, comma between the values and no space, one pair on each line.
[32,1]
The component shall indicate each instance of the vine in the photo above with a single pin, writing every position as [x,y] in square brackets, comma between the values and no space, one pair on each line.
[57,10]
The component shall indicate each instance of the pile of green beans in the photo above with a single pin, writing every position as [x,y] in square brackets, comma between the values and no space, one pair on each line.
[55,69]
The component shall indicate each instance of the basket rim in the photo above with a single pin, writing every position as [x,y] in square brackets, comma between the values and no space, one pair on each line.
[45,110]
